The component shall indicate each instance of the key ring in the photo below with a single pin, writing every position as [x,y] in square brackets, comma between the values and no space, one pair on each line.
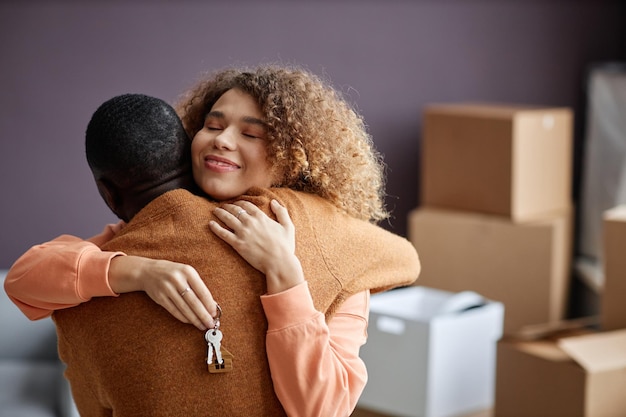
[217,319]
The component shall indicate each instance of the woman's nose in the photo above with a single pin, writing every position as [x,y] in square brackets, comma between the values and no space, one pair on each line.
[225,139]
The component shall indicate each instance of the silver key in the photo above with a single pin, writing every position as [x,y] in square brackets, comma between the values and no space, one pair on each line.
[214,339]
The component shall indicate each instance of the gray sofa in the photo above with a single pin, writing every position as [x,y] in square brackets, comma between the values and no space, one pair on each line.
[31,374]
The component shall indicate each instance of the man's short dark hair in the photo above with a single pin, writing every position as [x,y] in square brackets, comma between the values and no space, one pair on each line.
[136,139]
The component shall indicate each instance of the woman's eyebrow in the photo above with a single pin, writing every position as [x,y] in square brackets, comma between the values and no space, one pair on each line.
[215,114]
[254,121]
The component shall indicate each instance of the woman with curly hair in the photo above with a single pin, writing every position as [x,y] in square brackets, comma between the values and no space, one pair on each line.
[281,129]
[316,142]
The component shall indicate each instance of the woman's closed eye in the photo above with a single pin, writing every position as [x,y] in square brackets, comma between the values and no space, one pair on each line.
[252,135]
[214,122]
[214,126]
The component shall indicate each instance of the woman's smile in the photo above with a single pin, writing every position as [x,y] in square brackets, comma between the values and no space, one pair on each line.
[218,164]
[229,153]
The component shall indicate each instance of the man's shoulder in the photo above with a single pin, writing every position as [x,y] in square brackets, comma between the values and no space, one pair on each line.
[181,195]
[300,200]
[169,204]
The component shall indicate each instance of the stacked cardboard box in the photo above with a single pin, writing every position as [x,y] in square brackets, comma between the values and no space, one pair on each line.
[496,213]
[575,374]
[495,220]
[613,307]
[505,160]
[580,372]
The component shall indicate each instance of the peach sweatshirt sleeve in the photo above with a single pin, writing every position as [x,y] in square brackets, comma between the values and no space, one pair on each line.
[316,368]
[61,273]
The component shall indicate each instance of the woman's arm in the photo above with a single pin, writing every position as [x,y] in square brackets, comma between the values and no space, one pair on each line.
[316,368]
[68,271]
[61,273]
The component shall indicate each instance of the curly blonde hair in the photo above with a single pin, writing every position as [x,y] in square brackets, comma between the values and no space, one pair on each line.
[316,141]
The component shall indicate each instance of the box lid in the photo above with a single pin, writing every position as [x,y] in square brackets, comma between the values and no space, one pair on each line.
[597,352]
[423,304]
[616,213]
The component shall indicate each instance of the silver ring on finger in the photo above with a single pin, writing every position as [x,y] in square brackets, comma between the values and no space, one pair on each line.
[240,212]
[185,291]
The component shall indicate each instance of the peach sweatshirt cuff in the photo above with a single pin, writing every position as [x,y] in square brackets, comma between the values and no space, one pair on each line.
[289,308]
[93,269]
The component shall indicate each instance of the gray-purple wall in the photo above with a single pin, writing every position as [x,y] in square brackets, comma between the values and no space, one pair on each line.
[60,59]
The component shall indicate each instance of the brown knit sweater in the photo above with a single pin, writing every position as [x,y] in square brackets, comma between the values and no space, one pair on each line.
[127,356]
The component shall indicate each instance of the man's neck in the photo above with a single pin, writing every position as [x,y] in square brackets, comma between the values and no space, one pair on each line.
[138,199]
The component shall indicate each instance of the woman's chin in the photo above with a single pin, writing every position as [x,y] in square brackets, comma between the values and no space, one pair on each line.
[222,193]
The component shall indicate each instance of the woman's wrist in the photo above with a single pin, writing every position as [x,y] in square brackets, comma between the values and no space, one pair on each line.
[124,274]
[284,275]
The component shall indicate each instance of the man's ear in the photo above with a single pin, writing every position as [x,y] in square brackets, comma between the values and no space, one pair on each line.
[110,195]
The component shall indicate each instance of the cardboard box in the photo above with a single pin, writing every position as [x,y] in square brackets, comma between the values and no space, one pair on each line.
[526,266]
[506,160]
[431,353]
[613,298]
[577,376]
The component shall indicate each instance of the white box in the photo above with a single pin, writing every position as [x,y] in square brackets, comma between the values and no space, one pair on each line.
[431,353]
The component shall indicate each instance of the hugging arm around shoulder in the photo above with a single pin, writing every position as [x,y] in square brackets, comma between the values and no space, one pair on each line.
[316,329]
[315,366]
[61,273]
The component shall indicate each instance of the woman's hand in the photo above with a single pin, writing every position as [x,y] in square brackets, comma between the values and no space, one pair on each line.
[266,244]
[176,287]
